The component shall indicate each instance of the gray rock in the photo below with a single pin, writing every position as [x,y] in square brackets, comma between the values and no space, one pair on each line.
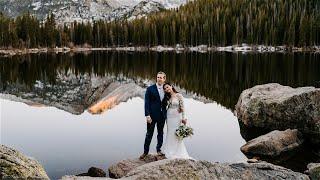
[71,177]
[314,171]
[123,167]
[94,172]
[15,165]
[189,169]
[276,107]
[273,144]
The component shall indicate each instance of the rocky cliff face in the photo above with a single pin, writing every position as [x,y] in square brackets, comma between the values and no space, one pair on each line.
[67,11]
[140,10]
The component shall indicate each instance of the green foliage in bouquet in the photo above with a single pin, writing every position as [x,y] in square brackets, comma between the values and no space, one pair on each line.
[184,131]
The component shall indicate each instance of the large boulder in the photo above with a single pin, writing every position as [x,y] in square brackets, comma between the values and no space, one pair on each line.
[15,165]
[276,107]
[314,171]
[273,144]
[123,167]
[190,169]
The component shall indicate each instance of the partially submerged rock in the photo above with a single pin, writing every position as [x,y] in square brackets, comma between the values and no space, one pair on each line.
[273,144]
[15,165]
[94,172]
[276,107]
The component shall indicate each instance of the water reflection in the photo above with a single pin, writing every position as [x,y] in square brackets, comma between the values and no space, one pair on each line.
[220,76]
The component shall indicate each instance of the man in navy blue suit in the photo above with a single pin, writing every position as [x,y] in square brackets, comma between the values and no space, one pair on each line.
[155,113]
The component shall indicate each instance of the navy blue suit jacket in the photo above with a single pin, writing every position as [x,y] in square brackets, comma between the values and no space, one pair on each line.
[153,106]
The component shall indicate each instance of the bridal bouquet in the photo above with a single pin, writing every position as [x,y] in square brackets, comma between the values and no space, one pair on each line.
[184,131]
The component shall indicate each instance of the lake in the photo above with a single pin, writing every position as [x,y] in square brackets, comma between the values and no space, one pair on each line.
[47,102]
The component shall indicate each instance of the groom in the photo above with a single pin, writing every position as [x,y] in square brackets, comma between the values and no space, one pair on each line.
[155,113]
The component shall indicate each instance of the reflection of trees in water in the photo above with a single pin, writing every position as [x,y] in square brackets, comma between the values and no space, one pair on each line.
[219,76]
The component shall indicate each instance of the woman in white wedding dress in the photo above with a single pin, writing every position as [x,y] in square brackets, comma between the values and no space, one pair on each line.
[173,146]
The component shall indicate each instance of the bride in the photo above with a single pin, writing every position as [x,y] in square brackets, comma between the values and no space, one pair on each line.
[174,147]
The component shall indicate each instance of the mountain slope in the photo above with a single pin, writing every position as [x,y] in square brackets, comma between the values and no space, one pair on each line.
[142,9]
[67,11]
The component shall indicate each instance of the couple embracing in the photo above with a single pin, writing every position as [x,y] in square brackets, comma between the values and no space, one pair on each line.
[164,105]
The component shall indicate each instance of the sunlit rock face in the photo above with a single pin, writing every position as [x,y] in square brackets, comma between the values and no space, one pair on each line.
[114,94]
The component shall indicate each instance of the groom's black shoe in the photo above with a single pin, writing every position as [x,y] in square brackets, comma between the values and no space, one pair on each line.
[144,155]
[159,153]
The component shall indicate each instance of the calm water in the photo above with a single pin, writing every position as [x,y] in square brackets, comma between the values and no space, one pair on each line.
[69,144]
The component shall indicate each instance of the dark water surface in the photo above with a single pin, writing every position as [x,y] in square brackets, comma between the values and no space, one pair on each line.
[69,144]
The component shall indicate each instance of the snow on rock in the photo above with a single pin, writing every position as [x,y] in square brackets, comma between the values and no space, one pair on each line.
[36,5]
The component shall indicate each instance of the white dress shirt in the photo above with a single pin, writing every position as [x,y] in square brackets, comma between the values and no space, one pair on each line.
[160,91]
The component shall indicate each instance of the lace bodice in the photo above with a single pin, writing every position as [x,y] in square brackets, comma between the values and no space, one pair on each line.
[177,102]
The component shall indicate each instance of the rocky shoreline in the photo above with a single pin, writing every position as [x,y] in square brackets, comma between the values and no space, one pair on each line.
[15,165]
[178,48]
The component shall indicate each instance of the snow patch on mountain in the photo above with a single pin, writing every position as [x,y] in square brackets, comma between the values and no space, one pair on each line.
[36,6]
[168,4]
[142,9]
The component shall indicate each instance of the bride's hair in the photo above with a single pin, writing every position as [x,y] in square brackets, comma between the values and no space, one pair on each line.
[167,96]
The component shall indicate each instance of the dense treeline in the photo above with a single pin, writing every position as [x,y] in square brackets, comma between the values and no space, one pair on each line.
[27,31]
[211,22]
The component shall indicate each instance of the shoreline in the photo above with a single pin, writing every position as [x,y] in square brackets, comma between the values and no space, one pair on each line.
[244,48]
